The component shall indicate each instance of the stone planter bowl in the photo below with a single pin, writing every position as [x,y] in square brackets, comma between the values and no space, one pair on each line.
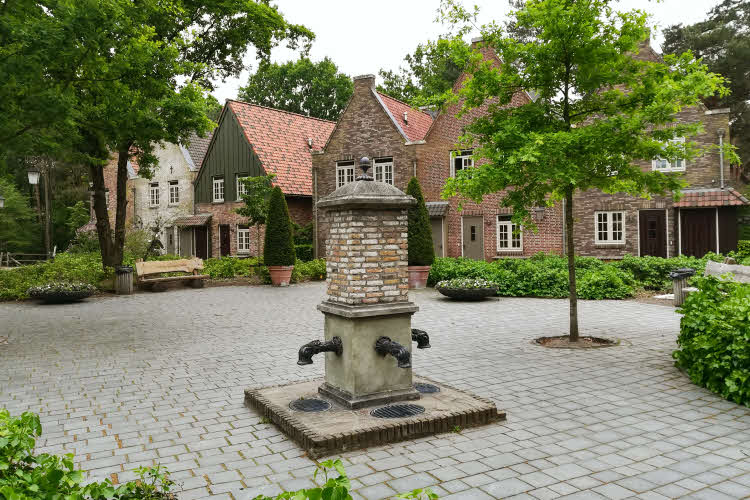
[61,297]
[468,293]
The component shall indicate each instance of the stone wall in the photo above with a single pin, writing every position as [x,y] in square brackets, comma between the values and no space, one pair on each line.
[366,254]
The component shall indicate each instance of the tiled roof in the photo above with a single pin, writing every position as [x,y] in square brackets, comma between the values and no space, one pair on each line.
[280,139]
[197,148]
[193,220]
[711,198]
[417,123]
[437,208]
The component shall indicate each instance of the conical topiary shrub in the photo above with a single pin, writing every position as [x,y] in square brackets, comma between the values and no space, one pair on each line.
[421,251]
[278,250]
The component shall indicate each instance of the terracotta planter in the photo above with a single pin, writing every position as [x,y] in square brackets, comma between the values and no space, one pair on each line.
[280,275]
[418,276]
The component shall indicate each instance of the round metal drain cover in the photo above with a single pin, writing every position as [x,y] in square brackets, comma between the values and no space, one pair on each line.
[426,388]
[397,411]
[310,405]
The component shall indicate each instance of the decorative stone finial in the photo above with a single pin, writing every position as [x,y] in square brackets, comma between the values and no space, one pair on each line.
[364,164]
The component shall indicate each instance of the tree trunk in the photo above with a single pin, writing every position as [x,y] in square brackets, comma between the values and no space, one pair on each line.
[122,202]
[571,264]
[103,228]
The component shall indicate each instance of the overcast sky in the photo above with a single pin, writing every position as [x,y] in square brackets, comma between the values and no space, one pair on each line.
[364,36]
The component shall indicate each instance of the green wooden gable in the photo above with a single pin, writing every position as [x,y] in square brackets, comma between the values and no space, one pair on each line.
[229,155]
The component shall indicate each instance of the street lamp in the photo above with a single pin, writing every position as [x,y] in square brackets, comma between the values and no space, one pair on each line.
[33,176]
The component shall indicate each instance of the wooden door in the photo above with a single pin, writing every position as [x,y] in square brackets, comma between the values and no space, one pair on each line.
[201,242]
[224,240]
[437,235]
[473,238]
[698,228]
[653,225]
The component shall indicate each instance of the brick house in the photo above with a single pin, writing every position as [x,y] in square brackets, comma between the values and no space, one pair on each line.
[249,141]
[403,142]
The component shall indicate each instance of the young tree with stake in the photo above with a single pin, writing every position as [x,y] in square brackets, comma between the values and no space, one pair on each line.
[598,110]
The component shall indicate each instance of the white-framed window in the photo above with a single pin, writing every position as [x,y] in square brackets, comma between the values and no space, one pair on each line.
[662,165]
[509,235]
[243,239]
[153,194]
[241,188]
[174,192]
[218,189]
[461,160]
[344,172]
[609,228]
[384,170]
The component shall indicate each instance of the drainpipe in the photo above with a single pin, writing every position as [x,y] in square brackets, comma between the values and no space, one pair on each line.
[415,167]
[721,156]
[315,212]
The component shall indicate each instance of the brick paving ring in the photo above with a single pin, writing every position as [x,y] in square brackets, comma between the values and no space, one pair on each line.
[584,342]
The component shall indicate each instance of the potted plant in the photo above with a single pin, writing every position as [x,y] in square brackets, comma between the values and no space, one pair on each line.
[58,292]
[278,250]
[467,288]
[421,251]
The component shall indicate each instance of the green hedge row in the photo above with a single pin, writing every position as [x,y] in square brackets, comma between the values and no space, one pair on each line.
[546,275]
[231,267]
[714,338]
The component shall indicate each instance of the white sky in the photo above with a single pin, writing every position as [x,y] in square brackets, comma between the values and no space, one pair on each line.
[364,36]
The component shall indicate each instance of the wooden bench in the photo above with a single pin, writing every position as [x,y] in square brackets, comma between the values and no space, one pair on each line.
[148,273]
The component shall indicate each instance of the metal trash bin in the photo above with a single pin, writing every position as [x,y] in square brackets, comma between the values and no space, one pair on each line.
[679,283]
[123,280]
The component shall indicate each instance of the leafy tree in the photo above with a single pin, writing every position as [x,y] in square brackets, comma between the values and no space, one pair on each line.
[721,41]
[132,99]
[78,215]
[310,88]
[421,251]
[600,110]
[430,72]
[279,245]
[256,198]
[17,228]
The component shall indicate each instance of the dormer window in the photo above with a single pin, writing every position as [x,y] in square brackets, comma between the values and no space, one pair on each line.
[662,165]
[461,160]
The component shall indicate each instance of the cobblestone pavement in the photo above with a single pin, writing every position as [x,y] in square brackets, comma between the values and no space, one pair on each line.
[129,381]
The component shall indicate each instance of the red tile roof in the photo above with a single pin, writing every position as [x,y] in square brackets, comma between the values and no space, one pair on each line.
[418,122]
[279,138]
[712,198]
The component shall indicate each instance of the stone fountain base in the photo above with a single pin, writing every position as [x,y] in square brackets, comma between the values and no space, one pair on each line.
[339,429]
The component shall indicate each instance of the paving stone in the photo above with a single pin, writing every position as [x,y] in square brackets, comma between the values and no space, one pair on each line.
[507,487]
[623,416]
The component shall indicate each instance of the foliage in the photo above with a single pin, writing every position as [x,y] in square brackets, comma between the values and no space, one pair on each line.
[279,245]
[465,283]
[429,74]
[336,488]
[67,267]
[309,271]
[60,286]
[714,338]
[309,88]
[257,195]
[601,107]
[137,243]
[26,476]
[303,235]
[421,251]
[743,249]
[545,275]
[721,42]
[16,219]
[304,252]
[84,242]
[78,215]
[229,267]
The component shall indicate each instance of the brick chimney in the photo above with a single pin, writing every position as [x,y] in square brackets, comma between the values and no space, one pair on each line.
[364,81]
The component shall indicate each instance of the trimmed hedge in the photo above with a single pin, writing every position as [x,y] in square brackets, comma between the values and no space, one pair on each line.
[714,338]
[421,251]
[278,249]
[304,252]
[546,275]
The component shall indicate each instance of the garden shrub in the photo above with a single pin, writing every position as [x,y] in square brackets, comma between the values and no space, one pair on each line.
[25,476]
[229,267]
[67,267]
[304,252]
[421,251]
[743,249]
[607,282]
[714,338]
[652,273]
[279,244]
